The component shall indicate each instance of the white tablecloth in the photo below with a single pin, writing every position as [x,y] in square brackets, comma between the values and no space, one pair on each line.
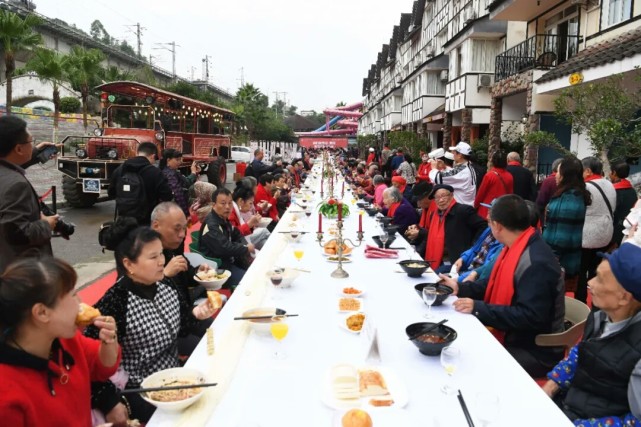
[287,393]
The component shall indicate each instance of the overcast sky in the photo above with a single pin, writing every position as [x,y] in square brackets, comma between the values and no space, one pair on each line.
[316,51]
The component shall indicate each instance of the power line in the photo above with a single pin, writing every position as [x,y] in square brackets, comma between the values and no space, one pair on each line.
[138,33]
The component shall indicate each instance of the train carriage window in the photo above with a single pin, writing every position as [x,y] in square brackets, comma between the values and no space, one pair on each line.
[189,125]
[203,125]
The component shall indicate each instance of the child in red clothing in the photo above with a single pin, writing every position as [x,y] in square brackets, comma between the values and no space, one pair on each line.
[46,365]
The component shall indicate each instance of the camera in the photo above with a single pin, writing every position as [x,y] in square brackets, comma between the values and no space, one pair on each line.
[63,228]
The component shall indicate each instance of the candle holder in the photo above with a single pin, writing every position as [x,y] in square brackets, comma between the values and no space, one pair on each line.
[359,236]
[340,273]
[319,237]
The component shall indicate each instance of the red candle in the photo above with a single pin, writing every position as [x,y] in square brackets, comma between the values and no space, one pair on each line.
[322,180]
[343,188]
[320,223]
[360,223]
[340,211]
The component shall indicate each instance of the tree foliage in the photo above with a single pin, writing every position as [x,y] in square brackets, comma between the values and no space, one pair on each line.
[50,66]
[605,112]
[16,34]
[84,69]
[411,143]
[99,33]
[69,105]
[254,115]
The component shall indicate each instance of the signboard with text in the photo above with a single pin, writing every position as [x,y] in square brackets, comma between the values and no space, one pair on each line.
[322,142]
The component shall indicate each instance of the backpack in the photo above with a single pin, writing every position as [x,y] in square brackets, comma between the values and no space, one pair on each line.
[131,196]
[249,171]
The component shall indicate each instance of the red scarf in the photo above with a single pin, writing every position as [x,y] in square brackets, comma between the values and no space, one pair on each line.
[436,238]
[500,288]
[392,209]
[622,185]
[514,163]
[424,222]
[593,177]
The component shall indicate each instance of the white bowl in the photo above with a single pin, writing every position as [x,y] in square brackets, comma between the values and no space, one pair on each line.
[264,222]
[214,285]
[261,326]
[289,275]
[166,376]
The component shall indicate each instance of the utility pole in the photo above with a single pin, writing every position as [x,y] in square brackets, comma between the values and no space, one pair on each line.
[206,68]
[242,76]
[192,70]
[173,54]
[138,33]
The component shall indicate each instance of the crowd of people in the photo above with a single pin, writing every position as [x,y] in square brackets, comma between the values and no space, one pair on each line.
[508,252]
[511,252]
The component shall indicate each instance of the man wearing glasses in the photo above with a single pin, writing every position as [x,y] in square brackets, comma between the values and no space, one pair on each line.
[24,230]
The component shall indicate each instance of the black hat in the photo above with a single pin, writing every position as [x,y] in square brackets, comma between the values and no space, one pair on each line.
[421,190]
[441,187]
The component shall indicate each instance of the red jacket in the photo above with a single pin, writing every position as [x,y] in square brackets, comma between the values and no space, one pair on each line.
[262,195]
[26,396]
[496,183]
[423,172]
[235,221]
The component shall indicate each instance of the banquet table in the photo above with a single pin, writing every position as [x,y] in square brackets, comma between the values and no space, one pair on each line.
[255,389]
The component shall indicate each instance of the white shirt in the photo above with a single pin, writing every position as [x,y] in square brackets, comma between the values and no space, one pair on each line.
[462,178]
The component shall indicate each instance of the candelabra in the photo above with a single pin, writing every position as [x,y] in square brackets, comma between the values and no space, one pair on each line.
[340,273]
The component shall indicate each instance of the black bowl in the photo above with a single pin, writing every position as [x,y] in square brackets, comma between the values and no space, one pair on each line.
[362,204]
[361,196]
[385,220]
[377,239]
[442,291]
[391,230]
[431,349]
[371,211]
[414,271]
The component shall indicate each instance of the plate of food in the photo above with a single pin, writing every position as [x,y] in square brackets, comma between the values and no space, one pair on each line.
[335,259]
[353,322]
[370,417]
[173,400]
[352,291]
[212,279]
[331,248]
[349,305]
[370,388]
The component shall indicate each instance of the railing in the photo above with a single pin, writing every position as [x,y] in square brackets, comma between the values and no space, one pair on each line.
[542,51]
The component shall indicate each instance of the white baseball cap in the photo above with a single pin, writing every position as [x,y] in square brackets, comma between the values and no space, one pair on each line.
[449,155]
[436,154]
[463,148]
[371,149]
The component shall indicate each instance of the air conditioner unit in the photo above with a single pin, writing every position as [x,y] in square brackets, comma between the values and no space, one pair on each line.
[430,52]
[485,80]
[445,76]
[470,17]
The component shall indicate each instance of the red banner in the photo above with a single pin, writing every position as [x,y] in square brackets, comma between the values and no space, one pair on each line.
[322,142]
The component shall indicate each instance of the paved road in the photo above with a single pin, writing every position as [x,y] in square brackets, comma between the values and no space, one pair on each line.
[82,249]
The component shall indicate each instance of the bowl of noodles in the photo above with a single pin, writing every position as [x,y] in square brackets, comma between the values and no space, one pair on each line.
[173,400]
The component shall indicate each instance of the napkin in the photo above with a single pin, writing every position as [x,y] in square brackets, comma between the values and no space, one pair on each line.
[376,252]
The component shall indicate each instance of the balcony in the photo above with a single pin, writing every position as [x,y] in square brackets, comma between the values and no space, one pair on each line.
[541,52]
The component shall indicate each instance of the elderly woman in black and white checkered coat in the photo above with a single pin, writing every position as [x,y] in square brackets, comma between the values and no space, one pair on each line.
[150,316]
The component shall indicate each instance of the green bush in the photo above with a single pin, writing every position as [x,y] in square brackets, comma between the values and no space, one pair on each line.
[69,105]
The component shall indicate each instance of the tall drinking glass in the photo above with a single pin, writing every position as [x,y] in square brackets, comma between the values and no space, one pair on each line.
[279,330]
[429,297]
[487,408]
[449,360]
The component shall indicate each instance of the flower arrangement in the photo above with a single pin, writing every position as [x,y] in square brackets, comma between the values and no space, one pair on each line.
[329,209]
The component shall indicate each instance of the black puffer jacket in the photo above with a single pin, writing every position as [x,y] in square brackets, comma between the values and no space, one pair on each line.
[219,239]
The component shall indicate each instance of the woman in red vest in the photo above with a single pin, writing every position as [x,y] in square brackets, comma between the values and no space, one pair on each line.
[496,183]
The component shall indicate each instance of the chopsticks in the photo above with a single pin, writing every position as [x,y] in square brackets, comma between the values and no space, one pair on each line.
[468,417]
[293,232]
[265,317]
[428,329]
[302,270]
[170,387]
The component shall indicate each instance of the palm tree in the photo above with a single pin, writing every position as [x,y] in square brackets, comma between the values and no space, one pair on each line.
[113,74]
[16,34]
[50,66]
[251,106]
[84,70]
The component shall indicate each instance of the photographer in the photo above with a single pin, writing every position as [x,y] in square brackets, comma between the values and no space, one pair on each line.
[24,230]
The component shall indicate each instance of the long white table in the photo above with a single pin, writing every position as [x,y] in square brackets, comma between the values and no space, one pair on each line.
[258,390]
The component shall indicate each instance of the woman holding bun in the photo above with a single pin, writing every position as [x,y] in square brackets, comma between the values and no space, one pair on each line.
[150,315]
[46,365]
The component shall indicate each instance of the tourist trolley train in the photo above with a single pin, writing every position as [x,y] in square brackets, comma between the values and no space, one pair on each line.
[133,113]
